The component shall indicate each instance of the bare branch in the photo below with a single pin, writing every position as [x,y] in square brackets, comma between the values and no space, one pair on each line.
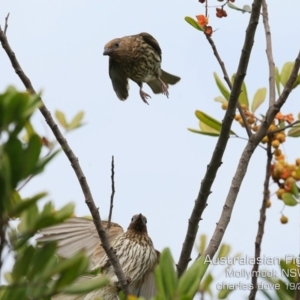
[226,78]
[244,161]
[269,52]
[261,224]
[6,24]
[216,159]
[74,163]
[112,193]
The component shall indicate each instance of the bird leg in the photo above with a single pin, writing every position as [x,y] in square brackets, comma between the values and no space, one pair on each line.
[144,96]
[164,88]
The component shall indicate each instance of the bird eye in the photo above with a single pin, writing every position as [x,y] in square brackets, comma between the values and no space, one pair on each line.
[116,45]
[145,220]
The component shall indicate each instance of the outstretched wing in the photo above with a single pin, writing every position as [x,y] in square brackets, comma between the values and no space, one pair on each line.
[77,234]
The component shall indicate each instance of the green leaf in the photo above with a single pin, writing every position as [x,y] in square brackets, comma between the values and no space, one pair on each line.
[210,121]
[243,98]
[223,251]
[168,273]
[224,91]
[190,280]
[24,204]
[61,118]
[294,131]
[295,190]
[76,122]
[286,72]
[202,246]
[202,132]
[220,99]
[277,81]
[246,8]
[288,199]
[258,99]
[31,155]
[223,294]
[194,23]
[206,282]
[22,264]
[86,286]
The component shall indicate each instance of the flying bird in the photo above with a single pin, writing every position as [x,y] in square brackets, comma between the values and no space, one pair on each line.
[137,57]
[134,249]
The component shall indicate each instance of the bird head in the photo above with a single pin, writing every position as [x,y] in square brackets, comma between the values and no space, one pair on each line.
[138,223]
[113,47]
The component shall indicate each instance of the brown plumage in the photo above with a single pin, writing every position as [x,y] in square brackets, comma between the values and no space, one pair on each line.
[134,249]
[137,57]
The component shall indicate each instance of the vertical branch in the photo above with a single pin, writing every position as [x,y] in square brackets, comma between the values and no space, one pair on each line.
[269,53]
[112,193]
[216,160]
[261,224]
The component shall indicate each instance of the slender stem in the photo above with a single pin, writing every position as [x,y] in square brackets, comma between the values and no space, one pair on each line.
[261,224]
[269,52]
[112,193]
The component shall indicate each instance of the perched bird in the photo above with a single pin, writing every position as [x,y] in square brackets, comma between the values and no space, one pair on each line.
[134,249]
[137,57]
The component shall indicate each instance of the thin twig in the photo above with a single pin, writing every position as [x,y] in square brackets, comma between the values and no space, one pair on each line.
[6,24]
[269,52]
[112,193]
[284,128]
[216,160]
[261,224]
[226,78]
[244,162]
[74,163]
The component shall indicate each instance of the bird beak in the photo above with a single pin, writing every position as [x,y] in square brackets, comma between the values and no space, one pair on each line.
[106,51]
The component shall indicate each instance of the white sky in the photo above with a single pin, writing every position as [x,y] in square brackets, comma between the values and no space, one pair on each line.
[159,163]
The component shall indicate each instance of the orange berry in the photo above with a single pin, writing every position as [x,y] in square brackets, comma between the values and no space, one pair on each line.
[298,162]
[275,144]
[284,219]
[280,137]
[279,193]
[224,105]
[251,120]
[277,152]
[265,139]
[255,127]
[237,117]
[268,203]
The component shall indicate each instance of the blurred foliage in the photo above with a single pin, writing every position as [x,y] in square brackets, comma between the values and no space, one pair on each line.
[35,266]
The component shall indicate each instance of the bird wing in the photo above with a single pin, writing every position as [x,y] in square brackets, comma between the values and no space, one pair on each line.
[119,79]
[149,39]
[79,234]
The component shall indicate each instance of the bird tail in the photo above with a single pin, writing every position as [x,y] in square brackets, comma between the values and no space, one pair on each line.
[167,78]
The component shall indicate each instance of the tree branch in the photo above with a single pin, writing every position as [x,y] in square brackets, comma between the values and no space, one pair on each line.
[261,224]
[269,52]
[216,159]
[112,193]
[244,161]
[74,163]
